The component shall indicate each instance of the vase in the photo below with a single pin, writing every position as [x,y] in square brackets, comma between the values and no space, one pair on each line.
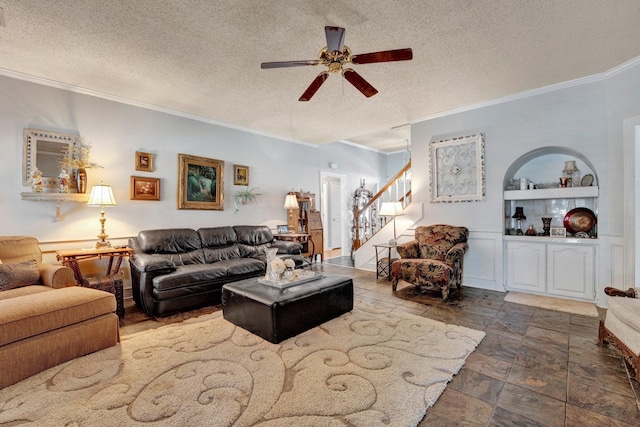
[81,180]
[271,275]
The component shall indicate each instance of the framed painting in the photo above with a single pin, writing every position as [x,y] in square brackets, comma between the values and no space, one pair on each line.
[144,161]
[457,169]
[143,188]
[200,183]
[240,175]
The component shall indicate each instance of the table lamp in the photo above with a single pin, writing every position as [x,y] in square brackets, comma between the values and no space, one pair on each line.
[393,209]
[101,196]
[291,203]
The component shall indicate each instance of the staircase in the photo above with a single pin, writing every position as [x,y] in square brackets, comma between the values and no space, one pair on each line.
[366,222]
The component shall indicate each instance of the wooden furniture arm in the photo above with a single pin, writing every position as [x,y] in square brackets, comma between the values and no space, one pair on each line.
[614,292]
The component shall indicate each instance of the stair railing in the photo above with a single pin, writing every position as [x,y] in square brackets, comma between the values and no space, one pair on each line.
[366,222]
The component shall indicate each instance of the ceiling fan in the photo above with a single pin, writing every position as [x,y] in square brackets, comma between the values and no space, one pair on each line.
[335,55]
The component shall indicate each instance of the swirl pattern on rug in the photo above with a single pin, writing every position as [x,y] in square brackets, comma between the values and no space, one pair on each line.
[370,367]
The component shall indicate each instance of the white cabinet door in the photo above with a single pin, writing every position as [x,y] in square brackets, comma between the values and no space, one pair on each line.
[571,271]
[526,269]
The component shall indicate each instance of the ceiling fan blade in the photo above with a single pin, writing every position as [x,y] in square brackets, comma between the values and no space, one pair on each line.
[314,86]
[361,84]
[283,64]
[335,38]
[383,56]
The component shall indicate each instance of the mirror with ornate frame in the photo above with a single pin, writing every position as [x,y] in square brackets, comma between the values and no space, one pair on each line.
[45,149]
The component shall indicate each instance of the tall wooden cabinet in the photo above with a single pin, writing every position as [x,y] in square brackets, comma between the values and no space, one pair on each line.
[308,221]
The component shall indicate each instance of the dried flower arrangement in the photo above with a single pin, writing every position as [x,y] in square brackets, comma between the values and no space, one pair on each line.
[77,157]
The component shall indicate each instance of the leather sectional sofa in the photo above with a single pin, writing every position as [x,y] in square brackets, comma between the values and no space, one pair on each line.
[179,269]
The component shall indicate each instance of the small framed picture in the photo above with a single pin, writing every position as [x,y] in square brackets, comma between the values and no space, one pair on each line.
[144,161]
[240,175]
[282,229]
[143,188]
[558,232]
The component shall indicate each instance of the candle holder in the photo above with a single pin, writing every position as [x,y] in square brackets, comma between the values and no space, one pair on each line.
[519,216]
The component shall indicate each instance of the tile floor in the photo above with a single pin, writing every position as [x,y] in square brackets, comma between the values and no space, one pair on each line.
[535,367]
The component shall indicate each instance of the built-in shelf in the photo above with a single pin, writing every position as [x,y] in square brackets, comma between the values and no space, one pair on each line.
[551,193]
[57,198]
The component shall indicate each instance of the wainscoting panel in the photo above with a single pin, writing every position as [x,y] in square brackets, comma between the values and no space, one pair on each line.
[483,261]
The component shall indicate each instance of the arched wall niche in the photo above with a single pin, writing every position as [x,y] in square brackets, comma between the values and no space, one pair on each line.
[545,164]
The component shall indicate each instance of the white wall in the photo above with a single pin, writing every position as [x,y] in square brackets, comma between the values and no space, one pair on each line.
[116,130]
[586,117]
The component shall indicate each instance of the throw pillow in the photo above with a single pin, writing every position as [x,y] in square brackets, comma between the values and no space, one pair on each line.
[18,275]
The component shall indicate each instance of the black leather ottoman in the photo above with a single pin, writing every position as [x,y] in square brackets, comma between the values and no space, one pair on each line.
[277,314]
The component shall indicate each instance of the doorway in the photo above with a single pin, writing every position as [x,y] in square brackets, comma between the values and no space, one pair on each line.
[333,209]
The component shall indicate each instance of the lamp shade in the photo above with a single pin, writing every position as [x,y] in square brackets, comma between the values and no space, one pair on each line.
[391,209]
[101,195]
[290,202]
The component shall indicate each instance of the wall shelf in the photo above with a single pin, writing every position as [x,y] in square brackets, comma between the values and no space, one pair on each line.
[57,198]
[551,193]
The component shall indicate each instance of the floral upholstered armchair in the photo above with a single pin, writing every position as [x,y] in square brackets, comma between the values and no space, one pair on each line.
[433,260]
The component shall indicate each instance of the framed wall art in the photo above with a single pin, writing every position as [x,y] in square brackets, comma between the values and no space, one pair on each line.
[457,169]
[143,188]
[144,161]
[240,175]
[200,183]
[558,232]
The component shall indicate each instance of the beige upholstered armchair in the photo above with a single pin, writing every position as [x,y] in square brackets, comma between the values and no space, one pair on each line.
[433,260]
[621,328]
[22,250]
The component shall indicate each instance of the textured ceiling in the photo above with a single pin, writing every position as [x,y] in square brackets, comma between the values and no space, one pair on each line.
[202,57]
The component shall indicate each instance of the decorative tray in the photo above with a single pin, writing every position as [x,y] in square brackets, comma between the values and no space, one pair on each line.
[308,276]
[579,219]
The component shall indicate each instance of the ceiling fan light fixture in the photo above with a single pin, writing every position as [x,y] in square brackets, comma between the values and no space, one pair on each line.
[336,54]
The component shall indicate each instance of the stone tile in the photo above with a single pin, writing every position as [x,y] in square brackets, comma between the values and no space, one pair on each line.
[524,310]
[481,310]
[468,410]
[613,405]
[552,320]
[489,366]
[595,356]
[431,420]
[510,322]
[585,321]
[584,331]
[500,345]
[557,338]
[477,385]
[607,377]
[539,381]
[532,406]
[536,354]
[584,418]
[503,418]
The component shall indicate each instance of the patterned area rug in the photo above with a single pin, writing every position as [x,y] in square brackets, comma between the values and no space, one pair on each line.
[558,304]
[369,367]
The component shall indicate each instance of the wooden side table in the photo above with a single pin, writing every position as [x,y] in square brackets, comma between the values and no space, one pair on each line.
[111,282]
[383,263]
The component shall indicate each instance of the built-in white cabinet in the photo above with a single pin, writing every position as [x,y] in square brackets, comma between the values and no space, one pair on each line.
[527,266]
[551,266]
[556,265]
[571,270]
